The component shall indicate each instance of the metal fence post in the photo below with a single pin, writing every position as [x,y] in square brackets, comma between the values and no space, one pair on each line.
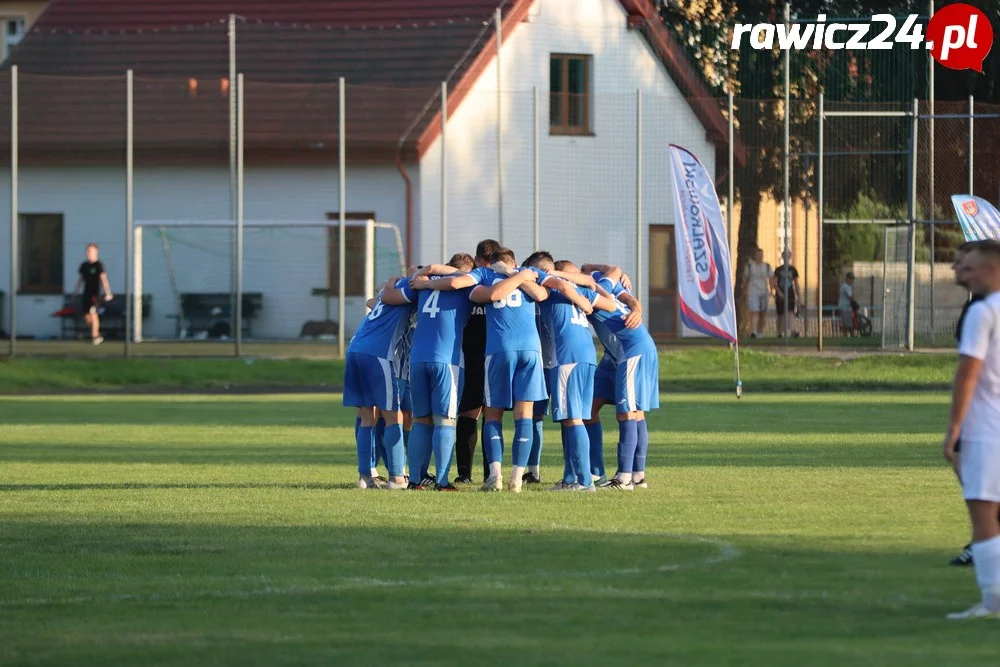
[232,85]
[498,20]
[972,160]
[129,190]
[14,218]
[536,145]
[819,235]
[444,171]
[342,255]
[911,285]
[240,113]
[787,184]
[730,200]
[637,278]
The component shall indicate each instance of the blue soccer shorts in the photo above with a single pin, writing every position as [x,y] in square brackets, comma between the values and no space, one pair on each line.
[637,382]
[514,377]
[604,379]
[403,390]
[435,389]
[369,382]
[572,390]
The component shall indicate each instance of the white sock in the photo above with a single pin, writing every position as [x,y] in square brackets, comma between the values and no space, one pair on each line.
[535,470]
[516,473]
[625,477]
[986,557]
[495,469]
[374,472]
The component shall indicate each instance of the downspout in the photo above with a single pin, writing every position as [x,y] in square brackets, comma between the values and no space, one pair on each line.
[409,205]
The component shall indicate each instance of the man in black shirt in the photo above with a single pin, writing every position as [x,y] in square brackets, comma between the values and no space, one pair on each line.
[471,404]
[92,279]
[787,279]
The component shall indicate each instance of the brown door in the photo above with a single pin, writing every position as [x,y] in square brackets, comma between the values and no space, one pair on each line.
[662,307]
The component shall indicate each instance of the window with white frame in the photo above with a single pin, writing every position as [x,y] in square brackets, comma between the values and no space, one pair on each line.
[14,28]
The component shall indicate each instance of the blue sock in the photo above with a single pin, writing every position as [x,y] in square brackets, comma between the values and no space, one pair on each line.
[357,425]
[395,456]
[406,438]
[425,464]
[521,449]
[595,433]
[580,453]
[641,447]
[444,451]
[569,475]
[535,457]
[493,442]
[365,442]
[627,439]
[420,442]
[380,453]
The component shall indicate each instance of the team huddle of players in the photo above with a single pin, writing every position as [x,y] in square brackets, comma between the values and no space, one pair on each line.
[407,357]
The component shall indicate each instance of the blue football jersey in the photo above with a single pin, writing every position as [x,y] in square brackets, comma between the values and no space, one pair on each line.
[441,319]
[383,328]
[565,330]
[510,324]
[618,341]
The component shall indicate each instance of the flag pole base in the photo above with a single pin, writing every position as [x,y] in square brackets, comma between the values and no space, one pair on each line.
[739,390]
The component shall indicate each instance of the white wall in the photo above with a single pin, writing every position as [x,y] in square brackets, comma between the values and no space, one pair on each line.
[588,184]
[283,264]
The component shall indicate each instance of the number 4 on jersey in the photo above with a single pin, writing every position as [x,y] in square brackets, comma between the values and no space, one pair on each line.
[431,306]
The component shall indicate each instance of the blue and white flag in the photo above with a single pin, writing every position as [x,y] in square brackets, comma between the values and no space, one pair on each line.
[704,272]
[980,219]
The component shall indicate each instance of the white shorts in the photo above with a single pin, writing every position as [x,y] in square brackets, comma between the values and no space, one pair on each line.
[758,302]
[979,470]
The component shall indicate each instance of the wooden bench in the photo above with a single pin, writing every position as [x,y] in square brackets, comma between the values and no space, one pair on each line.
[111,314]
[213,313]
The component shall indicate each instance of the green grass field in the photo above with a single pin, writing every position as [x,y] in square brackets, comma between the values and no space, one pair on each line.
[778,530]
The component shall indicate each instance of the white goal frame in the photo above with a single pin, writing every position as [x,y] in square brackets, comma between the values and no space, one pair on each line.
[369,225]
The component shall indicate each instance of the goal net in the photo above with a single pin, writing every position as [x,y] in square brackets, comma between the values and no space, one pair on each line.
[186,271]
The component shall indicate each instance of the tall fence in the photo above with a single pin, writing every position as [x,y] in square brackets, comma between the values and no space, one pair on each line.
[253,192]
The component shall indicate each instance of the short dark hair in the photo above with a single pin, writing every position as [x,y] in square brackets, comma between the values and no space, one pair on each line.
[563,264]
[542,258]
[486,248]
[989,248]
[505,255]
[92,245]
[462,261]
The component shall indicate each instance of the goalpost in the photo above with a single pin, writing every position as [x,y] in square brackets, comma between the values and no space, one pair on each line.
[288,267]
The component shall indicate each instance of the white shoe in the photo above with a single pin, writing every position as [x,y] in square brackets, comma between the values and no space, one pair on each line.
[975,612]
[582,488]
[393,486]
[562,486]
[371,483]
[641,484]
[616,484]
[516,480]
[98,340]
[493,483]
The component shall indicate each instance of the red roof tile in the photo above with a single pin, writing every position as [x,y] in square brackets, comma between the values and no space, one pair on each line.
[392,53]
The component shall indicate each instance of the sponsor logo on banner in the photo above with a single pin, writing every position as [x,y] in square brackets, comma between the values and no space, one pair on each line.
[970,207]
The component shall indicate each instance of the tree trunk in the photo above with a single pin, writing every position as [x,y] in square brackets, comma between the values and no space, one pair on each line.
[746,242]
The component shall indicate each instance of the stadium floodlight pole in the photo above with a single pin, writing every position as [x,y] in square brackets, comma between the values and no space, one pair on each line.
[444,171]
[240,112]
[232,158]
[732,154]
[912,252]
[637,278]
[14,218]
[536,178]
[129,192]
[930,159]
[498,19]
[819,235]
[785,158]
[342,195]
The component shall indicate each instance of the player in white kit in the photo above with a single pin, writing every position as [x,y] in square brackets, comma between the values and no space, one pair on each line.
[975,418]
